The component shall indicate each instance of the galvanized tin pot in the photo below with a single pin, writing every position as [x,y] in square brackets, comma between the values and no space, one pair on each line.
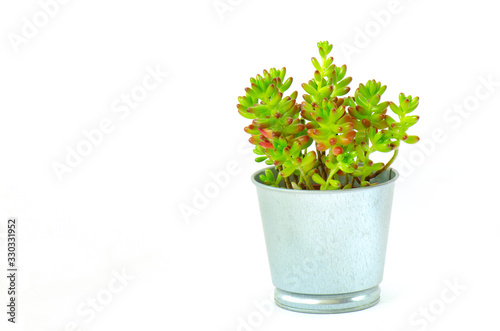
[326,249]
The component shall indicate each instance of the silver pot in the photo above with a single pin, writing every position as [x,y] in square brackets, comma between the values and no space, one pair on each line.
[326,249]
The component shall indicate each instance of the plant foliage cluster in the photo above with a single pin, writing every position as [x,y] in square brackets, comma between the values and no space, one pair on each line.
[329,138]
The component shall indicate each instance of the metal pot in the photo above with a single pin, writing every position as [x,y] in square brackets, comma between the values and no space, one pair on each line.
[326,249]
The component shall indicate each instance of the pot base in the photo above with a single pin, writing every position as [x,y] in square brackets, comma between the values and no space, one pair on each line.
[327,304]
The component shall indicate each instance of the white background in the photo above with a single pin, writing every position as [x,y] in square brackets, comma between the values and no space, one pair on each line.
[118,210]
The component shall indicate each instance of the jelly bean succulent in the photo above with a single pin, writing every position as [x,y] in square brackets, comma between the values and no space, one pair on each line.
[346,131]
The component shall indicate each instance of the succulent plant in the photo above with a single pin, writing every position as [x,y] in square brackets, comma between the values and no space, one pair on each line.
[345,130]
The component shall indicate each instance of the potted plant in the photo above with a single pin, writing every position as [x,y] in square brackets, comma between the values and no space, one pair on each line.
[325,204]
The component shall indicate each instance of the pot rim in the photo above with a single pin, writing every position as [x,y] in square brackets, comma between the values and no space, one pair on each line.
[255,179]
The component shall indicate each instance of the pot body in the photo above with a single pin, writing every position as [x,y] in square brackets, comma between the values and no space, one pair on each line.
[326,249]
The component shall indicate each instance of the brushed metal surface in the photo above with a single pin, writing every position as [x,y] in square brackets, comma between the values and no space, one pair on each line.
[327,304]
[326,243]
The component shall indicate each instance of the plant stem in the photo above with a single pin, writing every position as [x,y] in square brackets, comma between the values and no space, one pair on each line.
[321,166]
[385,167]
[320,170]
[367,154]
[306,179]
[287,182]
